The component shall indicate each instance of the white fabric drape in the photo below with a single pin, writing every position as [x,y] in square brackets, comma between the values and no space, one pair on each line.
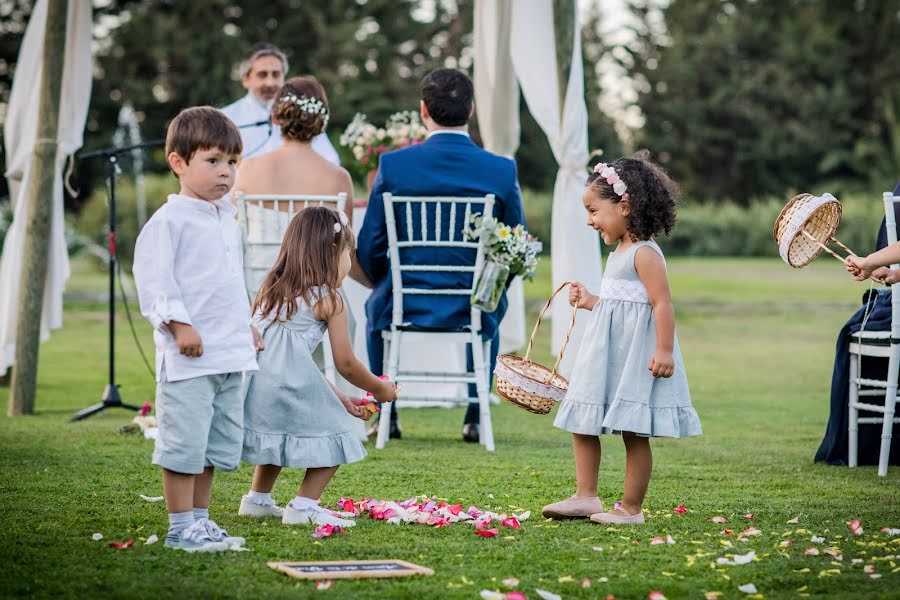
[497,103]
[575,250]
[20,132]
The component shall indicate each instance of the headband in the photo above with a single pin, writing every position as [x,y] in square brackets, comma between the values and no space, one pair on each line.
[608,173]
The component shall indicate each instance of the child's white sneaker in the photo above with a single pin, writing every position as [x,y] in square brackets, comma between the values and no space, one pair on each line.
[217,534]
[249,508]
[195,539]
[313,515]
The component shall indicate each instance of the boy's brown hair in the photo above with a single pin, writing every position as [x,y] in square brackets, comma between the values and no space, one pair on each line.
[202,128]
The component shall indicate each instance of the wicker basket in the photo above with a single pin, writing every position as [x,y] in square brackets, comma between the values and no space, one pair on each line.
[804,227]
[527,384]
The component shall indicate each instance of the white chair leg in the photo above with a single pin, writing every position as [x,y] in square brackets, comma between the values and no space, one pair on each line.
[853,413]
[484,400]
[384,419]
[887,429]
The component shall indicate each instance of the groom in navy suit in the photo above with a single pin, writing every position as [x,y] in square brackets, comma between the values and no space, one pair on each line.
[448,163]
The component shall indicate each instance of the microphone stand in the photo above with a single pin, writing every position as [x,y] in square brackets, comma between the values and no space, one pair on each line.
[111,397]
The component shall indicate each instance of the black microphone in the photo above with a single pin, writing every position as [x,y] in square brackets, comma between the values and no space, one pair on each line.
[256,124]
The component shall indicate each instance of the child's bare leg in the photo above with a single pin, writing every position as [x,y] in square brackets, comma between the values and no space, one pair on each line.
[203,487]
[264,477]
[178,488]
[314,482]
[638,465]
[587,464]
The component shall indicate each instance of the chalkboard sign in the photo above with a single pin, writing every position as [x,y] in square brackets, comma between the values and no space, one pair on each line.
[350,569]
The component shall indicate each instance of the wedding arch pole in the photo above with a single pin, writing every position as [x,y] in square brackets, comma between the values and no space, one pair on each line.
[497,105]
[39,212]
[562,115]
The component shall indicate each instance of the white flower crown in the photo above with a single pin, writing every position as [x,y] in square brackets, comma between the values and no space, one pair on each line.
[608,173]
[313,106]
[344,221]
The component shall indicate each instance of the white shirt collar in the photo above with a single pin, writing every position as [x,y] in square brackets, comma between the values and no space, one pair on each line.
[452,131]
[222,204]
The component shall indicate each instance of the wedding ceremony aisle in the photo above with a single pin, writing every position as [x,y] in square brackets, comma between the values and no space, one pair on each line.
[740,512]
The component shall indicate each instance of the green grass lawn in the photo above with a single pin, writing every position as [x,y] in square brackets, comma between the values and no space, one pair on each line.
[758,341]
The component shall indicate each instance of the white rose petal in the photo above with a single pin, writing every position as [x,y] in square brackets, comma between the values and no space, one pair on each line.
[747,588]
[151,540]
[97,537]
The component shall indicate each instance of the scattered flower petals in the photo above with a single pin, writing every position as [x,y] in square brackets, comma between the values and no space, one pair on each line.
[857,561]
[324,584]
[121,545]
[492,595]
[890,531]
[597,548]
[510,582]
[856,527]
[325,531]
[811,552]
[656,541]
[717,519]
[794,521]
[656,595]
[609,597]
[97,537]
[515,595]
[487,532]
[152,498]
[874,575]
[739,559]
[680,509]
[834,552]
[712,595]
[604,580]
[151,540]
[585,583]
[869,569]
[617,505]
[816,539]
[786,543]
[750,517]
[748,588]
[511,522]
[727,531]
[670,539]
[751,531]
[524,516]
[547,595]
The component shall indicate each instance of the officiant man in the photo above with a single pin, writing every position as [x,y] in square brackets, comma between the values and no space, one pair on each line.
[262,75]
[448,163]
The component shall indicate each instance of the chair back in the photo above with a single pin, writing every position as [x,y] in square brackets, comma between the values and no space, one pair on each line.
[890,200]
[432,222]
[263,219]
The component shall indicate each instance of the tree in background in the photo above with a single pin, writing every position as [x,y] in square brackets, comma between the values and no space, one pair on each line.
[746,98]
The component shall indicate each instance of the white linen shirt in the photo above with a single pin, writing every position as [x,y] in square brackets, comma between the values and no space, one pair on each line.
[188,267]
[265,138]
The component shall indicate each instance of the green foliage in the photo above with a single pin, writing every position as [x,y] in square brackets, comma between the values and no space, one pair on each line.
[746,98]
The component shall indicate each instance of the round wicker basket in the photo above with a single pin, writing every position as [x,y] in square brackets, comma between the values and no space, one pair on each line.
[804,226]
[528,384]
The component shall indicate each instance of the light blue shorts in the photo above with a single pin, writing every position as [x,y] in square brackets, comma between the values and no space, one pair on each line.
[201,423]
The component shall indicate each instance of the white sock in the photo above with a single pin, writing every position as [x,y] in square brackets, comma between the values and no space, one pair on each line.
[261,498]
[303,503]
[178,522]
[201,513]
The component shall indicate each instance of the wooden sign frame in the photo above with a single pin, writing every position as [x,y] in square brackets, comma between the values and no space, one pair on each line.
[342,569]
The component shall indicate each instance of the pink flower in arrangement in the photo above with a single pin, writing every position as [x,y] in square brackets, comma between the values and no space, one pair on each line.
[364,160]
[146,409]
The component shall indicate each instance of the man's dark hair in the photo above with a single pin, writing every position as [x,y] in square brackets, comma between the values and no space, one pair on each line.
[447,94]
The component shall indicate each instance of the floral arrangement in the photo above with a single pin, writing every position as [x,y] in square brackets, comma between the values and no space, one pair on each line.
[513,247]
[368,142]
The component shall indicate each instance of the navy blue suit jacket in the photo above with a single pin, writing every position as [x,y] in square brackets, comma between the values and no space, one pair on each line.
[446,164]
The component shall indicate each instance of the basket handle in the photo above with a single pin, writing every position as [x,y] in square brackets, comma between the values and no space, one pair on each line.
[568,332]
[835,254]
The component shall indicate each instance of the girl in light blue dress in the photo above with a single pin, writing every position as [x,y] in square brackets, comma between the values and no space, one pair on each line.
[629,376]
[293,416]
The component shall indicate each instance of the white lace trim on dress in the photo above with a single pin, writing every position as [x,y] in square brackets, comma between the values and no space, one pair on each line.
[625,290]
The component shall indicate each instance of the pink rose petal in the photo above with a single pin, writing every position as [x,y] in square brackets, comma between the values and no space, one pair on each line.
[121,545]
[511,522]
[811,552]
[585,583]
[516,595]
[510,582]
[750,517]
[718,519]
[487,532]
[856,527]
[656,596]
[324,584]
[656,541]
[680,509]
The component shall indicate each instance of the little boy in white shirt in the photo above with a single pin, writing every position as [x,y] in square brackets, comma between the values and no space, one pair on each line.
[188,269]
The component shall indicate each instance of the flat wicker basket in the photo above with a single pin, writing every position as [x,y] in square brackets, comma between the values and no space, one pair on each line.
[804,227]
[528,384]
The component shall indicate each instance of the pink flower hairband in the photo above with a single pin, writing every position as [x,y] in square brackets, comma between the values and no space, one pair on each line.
[608,173]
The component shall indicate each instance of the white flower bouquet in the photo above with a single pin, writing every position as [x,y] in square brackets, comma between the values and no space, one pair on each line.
[367,142]
[509,251]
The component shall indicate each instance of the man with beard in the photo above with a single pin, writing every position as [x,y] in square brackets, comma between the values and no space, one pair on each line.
[262,75]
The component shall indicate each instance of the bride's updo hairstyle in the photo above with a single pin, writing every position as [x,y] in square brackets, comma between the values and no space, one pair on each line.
[301,109]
